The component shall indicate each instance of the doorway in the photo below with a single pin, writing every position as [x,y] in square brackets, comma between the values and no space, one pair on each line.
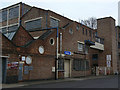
[67,68]
[4,69]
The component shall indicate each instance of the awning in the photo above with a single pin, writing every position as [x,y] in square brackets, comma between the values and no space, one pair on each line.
[88,42]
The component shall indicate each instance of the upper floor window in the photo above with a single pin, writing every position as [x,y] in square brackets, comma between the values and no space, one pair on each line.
[90,33]
[86,31]
[71,31]
[14,12]
[95,33]
[77,27]
[83,30]
[80,47]
[10,28]
[13,28]
[33,24]
[54,22]
[3,15]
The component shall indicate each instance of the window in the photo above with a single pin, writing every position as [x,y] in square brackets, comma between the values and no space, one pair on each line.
[80,65]
[60,64]
[54,22]
[90,33]
[95,33]
[86,32]
[119,45]
[10,35]
[34,24]
[83,30]
[4,30]
[70,31]
[14,12]
[80,47]
[4,15]
[52,41]
[77,27]
[95,57]
[12,28]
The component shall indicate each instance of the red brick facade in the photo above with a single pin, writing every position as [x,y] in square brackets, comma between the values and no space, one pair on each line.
[26,43]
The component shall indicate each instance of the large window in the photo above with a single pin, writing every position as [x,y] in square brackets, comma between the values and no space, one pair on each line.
[3,15]
[33,24]
[80,65]
[12,28]
[80,47]
[14,12]
[54,22]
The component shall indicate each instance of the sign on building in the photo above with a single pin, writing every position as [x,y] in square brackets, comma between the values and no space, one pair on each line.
[108,57]
[67,52]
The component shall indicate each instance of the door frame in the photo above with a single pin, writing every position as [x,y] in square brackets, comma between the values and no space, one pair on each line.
[69,68]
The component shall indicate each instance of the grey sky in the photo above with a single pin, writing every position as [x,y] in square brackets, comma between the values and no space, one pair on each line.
[74,9]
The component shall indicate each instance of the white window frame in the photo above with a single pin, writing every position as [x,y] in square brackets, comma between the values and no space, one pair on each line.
[54,18]
[32,19]
[80,48]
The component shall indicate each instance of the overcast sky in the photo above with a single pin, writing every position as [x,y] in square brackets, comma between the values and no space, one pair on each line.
[74,9]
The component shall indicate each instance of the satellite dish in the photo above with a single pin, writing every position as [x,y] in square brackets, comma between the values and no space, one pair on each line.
[29,60]
[41,49]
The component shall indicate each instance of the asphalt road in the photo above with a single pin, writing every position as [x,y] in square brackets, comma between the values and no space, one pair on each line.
[108,82]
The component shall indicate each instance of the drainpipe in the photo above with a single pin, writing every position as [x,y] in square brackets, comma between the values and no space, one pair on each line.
[56,68]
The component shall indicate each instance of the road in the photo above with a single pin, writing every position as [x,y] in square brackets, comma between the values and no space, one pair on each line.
[108,82]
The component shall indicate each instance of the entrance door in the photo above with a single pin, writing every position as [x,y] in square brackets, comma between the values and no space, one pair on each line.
[67,68]
[20,72]
[4,69]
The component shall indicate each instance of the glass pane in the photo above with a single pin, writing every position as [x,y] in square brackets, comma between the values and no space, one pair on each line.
[13,28]
[10,35]
[4,15]
[14,12]
[35,24]
[53,22]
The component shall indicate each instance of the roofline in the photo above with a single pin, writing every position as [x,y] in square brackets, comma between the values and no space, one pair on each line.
[106,18]
[11,5]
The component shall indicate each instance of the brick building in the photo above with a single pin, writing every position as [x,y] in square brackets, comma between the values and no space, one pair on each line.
[118,39]
[39,41]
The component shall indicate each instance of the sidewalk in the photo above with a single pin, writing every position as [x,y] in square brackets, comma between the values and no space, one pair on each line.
[20,84]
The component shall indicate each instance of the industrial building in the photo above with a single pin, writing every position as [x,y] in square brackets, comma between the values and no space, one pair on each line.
[40,44]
